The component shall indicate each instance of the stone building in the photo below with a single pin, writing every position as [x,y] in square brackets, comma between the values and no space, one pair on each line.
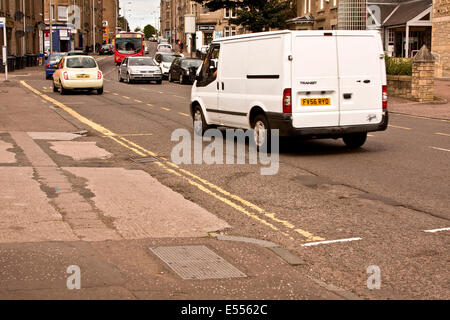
[22,39]
[405,25]
[110,19]
[440,36]
[209,24]
[76,24]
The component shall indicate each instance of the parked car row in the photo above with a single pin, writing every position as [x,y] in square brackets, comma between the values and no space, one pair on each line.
[53,59]
[165,65]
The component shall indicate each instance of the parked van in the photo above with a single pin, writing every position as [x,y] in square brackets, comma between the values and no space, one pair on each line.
[317,84]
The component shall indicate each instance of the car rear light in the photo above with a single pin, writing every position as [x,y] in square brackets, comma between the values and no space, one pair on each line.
[66,76]
[384,97]
[99,75]
[287,101]
[48,65]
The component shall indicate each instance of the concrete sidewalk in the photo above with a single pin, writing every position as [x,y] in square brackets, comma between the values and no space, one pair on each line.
[438,110]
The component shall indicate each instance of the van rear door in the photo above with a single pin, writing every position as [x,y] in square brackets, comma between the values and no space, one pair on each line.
[360,64]
[315,84]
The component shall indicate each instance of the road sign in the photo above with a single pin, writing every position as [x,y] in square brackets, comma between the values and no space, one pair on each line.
[4,51]
[2,22]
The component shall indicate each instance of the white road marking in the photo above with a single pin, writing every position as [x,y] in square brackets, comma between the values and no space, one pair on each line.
[179,97]
[441,149]
[437,230]
[443,134]
[398,127]
[309,244]
[370,135]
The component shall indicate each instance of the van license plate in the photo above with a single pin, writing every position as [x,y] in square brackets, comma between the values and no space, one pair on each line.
[316,102]
[82,76]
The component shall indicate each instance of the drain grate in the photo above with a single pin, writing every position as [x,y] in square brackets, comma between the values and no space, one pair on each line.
[145,159]
[196,263]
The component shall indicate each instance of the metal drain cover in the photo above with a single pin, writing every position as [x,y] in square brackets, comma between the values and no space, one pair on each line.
[145,159]
[196,263]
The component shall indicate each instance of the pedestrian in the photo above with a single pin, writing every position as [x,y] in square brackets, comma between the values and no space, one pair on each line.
[181,46]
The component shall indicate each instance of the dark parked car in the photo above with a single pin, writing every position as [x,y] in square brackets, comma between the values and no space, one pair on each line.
[107,49]
[184,70]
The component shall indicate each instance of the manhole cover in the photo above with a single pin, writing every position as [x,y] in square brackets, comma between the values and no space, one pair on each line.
[196,263]
[145,159]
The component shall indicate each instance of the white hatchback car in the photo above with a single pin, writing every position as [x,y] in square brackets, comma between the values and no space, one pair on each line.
[77,73]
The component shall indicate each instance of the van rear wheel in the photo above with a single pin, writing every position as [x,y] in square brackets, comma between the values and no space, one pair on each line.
[261,133]
[200,125]
[355,140]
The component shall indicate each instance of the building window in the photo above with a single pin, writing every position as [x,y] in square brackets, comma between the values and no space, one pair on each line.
[205,10]
[321,4]
[309,6]
[391,35]
[194,9]
[304,6]
[62,13]
[226,31]
[334,3]
[233,31]
[229,13]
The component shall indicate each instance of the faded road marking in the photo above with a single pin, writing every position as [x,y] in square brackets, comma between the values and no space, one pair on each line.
[149,104]
[441,149]
[398,127]
[167,109]
[437,230]
[309,244]
[443,134]
[184,114]
[138,101]
[125,97]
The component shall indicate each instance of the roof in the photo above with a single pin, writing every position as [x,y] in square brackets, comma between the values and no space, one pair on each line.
[407,10]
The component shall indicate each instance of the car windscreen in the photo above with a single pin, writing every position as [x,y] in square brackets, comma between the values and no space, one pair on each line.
[54,59]
[81,62]
[128,45]
[188,63]
[141,62]
[169,57]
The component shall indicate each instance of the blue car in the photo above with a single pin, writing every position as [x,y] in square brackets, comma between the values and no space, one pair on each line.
[52,60]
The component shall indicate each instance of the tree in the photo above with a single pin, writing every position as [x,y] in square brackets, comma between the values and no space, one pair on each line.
[256,15]
[123,24]
[149,30]
[137,29]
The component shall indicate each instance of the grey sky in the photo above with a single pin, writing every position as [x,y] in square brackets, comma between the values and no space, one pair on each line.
[141,12]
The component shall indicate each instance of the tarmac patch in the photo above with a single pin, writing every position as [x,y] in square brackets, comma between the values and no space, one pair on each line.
[80,150]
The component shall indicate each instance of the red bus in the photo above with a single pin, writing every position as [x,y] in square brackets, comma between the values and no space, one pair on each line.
[128,44]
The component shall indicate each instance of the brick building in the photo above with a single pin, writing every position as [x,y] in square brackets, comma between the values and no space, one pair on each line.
[440,36]
[209,24]
[76,24]
[22,41]
[110,19]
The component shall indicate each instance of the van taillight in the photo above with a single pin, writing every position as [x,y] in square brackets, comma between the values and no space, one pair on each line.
[66,76]
[287,101]
[384,97]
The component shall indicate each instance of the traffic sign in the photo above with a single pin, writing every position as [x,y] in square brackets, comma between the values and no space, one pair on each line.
[2,22]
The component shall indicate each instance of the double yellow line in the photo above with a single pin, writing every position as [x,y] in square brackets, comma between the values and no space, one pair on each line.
[243,206]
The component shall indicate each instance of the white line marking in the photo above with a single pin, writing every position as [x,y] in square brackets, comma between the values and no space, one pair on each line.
[440,149]
[179,96]
[370,135]
[309,244]
[437,230]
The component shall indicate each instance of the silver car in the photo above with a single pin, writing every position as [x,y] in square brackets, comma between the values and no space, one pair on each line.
[140,69]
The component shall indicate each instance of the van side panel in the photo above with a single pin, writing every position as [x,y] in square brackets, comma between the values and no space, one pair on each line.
[360,78]
[314,75]
[264,72]
[232,83]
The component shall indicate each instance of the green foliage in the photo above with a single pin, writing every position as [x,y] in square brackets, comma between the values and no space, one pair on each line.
[149,31]
[398,66]
[256,15]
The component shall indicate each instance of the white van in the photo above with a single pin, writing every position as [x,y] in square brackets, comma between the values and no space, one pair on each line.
[318,84]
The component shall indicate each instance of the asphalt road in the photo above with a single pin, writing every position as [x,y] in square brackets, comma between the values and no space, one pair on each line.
[378,200]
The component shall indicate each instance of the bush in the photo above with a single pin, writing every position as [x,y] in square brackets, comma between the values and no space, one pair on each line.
[398,66]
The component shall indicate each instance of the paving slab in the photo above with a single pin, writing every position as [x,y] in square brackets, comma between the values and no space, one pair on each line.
[5,155]
[25,212]
[80,150]
[61,136]
[141,206]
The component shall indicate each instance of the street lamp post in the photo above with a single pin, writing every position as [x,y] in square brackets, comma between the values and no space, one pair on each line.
[50,18]
[93,25]
[24,28]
